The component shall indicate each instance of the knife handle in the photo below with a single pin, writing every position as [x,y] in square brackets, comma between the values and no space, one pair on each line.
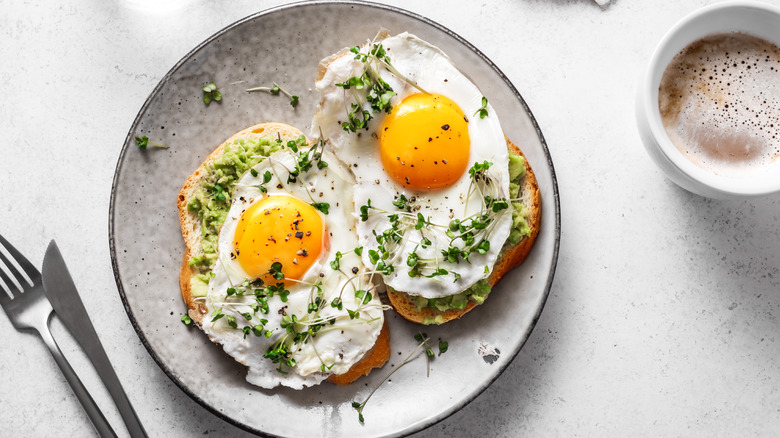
[106,372]
[102,425]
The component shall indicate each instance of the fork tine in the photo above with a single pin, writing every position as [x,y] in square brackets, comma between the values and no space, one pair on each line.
[25,264]
[13,287]
[6,287]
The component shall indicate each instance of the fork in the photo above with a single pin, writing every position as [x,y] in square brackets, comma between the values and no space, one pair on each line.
[29,309]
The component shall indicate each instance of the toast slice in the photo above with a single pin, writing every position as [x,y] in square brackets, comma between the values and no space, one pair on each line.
[511,255]
[191,224]
[192,231]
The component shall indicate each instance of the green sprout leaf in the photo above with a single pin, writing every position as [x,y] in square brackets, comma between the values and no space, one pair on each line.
[335,263]
[217,314]
[421,222]
[482,111]
[363,295]
[211,93]
[276,271]
[143,142]
[364,211]
[324,207]
[402,203]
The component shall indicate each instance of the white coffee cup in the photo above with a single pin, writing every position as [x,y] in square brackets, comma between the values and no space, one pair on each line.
[755,18]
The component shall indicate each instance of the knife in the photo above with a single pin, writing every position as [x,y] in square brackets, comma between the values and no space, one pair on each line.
[59,288]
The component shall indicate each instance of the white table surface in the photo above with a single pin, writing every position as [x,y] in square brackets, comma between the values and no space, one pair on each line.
[664,315]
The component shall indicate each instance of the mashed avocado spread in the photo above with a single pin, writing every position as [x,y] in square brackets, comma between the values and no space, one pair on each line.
[480,290]
[212,200]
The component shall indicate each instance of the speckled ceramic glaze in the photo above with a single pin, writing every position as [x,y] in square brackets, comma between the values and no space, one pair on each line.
[284,45]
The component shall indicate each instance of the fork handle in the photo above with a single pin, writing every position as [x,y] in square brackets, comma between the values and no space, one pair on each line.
[93,411]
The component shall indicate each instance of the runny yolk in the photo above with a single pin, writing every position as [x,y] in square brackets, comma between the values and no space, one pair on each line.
[424,142]
[279,229]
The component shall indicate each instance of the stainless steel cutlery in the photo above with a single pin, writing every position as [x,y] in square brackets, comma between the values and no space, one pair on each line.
[30,298]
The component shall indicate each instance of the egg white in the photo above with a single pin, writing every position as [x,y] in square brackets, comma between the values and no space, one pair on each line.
[338,346]
[432,70]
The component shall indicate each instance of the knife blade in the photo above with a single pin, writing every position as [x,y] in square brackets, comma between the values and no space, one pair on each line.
[58,286]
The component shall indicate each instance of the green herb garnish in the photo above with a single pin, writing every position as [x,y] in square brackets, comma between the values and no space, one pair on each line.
[275,90]
[467,235]
[335,263]
[377,91]
[423,339]
[276,271]
[211,92]
[143,142]
[266,179]
[324,207]
[482,111]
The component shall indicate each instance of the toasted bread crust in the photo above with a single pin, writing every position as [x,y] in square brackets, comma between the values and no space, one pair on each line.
[191,232]
[196,309]
[510,257]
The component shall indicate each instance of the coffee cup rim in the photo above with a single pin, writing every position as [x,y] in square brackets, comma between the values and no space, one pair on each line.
[693,26]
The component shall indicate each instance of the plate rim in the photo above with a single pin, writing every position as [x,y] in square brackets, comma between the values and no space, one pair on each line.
[297,4]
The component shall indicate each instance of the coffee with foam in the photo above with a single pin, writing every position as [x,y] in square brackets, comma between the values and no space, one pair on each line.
[719,101]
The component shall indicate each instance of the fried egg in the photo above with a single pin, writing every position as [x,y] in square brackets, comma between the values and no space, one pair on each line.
[430,172]
[278,303]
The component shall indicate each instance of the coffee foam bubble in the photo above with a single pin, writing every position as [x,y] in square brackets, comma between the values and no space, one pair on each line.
[719,100]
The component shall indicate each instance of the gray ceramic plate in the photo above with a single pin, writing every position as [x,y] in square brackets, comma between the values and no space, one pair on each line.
[284,45]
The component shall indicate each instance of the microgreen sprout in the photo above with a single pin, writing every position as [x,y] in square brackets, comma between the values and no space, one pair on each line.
[186,319]
[276,271]
[335,263]
[479,169]
[364,296]
[217,314]
[324,207]
[443,346]
[364,211]
[421,222]
[482,111]
[306,158]
[423,339]
[467,236]
[275,90]
[299,330]
[266,179]
[402,203]
[377,91]
[143,142]
[211,92]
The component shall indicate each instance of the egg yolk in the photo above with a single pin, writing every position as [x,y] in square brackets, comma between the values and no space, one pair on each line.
[424,142]
[279,229]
